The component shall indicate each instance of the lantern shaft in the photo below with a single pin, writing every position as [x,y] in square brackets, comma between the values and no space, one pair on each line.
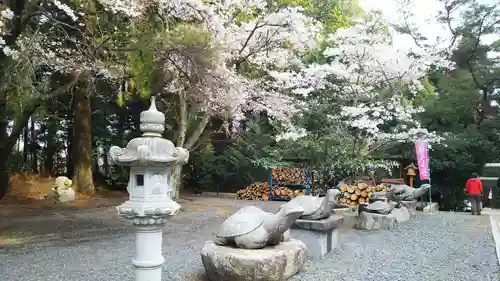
[148,259]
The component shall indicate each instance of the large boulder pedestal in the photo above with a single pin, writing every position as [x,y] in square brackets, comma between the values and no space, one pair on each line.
[401,214]
[369,221]
[320,236]
[273,263]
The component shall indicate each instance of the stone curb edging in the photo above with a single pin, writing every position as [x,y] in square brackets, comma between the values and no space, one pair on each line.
[496,237]
[225,195]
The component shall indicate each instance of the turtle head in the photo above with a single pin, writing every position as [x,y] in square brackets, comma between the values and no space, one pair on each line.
[332,194]
[330,198]
[425,186]
[291,210]
[419,192]
[287,215]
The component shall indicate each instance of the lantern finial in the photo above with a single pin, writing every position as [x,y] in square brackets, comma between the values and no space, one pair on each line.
[152,121]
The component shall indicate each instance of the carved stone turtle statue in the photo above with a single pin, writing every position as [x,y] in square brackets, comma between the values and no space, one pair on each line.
[253,228]
[406,193]
[316,208]
[62,191]
[378,207]
[378,196]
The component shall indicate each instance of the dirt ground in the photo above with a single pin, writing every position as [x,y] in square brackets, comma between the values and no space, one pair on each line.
[27,217]
[68,224]
[27,196]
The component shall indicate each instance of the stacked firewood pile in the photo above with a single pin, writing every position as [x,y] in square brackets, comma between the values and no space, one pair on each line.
[359,193]
[255,191]
[289,175]
[260,191]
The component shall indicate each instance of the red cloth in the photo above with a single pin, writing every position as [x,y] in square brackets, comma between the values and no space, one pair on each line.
[474,186]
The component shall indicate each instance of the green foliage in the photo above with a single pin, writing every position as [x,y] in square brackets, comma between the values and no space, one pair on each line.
[142,64]
[228,165]
[453,164]
[471,130]
[334,14]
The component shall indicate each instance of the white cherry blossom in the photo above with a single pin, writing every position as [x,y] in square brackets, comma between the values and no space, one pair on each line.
[7,14]
[266,40]
[373,80]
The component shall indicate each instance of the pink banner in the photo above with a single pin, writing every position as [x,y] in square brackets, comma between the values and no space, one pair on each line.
[421,147]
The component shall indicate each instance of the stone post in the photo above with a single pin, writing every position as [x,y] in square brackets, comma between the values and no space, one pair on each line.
[151,159]
[320,236]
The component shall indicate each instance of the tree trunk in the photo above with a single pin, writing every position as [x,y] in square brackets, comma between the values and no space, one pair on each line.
[82,140]
[191,141]
[180,140]
[135,114]
[177,181]
[106,164]
[33,147]
[123,115]
[4,174]
[50,147]
[7,142]
[69,146]
[26,146]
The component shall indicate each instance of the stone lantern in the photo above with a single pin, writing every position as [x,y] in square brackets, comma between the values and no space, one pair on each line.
[151,159]
[411,172]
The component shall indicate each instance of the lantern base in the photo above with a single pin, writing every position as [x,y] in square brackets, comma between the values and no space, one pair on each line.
[132,209]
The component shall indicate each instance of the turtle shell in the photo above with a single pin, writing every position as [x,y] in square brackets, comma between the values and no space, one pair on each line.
[310,204]
[242,222]
[378,205]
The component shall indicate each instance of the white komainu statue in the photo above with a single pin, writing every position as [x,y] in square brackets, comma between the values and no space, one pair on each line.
[62,190]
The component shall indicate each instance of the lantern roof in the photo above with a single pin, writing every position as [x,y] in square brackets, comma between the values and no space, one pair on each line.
[150,149]
[411,166]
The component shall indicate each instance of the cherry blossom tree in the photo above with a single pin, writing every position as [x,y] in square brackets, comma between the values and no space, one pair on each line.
[374,82]
[40,43]
[17,20]
[220,71]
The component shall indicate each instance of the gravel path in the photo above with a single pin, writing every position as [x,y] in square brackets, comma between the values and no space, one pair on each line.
[438,247]
[430,247]
[105,254]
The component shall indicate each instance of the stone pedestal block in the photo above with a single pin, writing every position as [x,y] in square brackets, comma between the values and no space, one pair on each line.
[432,208]
[320,236]
[66,195]
[277,263]
[401,214]
[368,221]
[411,206]
[350,220]
[421,205]
[341,210]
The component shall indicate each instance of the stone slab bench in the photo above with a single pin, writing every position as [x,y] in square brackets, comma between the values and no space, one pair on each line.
[320,236]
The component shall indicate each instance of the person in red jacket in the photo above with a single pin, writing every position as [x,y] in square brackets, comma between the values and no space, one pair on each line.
[474,188]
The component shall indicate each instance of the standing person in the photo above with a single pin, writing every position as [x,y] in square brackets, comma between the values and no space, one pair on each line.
[474,188]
